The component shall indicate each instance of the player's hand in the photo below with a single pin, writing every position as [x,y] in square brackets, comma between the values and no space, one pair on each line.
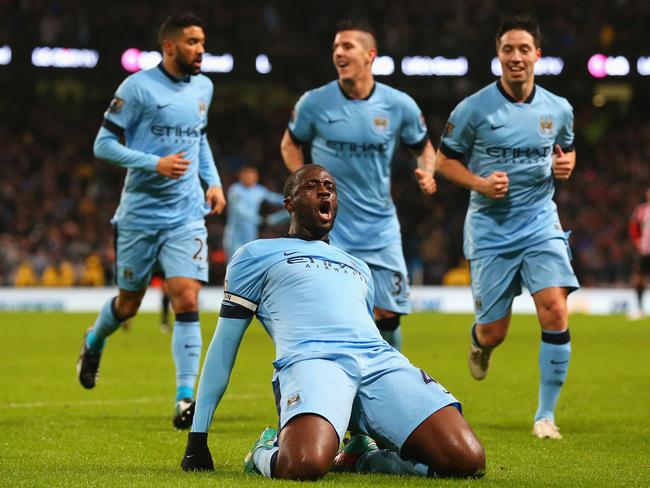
[172,166]
[494,186]
[426,181]
[197,454]
[215,198]
[562,164]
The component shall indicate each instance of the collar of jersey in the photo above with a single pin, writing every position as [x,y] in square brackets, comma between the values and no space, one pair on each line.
[184,79]
[304,238]
[374,85]
[510,99]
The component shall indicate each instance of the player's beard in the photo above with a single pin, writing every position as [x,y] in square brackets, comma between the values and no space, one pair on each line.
[186,67]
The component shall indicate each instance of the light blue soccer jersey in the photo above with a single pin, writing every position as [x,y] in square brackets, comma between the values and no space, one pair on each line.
[244,203]
[157,115]
[303,289]
[355,141]
[490,132]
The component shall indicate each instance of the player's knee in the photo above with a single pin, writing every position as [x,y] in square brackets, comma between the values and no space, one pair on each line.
[473,462]
[465,461]
[492,336]
[554,315]
[125,309]
[185,301]
[305,468]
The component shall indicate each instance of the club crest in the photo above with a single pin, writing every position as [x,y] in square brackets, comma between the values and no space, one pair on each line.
[546,125]
[381,123]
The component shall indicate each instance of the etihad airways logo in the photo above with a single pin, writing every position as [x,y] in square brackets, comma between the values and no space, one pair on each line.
[357,148]
[171,131]
[520,155]
[318,262]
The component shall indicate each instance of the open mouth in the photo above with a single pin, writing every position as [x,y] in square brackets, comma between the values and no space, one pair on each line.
[325,211]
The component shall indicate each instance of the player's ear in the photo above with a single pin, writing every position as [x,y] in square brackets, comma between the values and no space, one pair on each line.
[167,46]
[372,53]
[288,204]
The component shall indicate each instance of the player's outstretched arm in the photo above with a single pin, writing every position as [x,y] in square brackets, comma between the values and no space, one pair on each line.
[291,153]
[494,186]
[215,375]
[563,163]
[426,162]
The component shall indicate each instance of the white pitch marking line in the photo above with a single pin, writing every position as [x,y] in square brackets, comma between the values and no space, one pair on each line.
[131,401]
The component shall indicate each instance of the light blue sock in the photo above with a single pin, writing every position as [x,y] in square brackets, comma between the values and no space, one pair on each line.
[105,324]
[186,349]
[263,459]
[554,357]
[385,461]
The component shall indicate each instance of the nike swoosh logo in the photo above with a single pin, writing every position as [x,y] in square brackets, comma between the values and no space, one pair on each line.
[553,361]
[290,253]
[333,121]
[189,456]
[163,105]
[188,346]
[495,127]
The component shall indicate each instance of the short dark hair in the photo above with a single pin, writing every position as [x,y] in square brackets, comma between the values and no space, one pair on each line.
[356,25]
[292,181]
[174,24]
[521,22]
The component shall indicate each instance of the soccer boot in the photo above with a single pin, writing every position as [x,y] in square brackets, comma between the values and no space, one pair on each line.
[346,459]
[546,429]
[184,413]
[266,440]
[88,365]
[479,361]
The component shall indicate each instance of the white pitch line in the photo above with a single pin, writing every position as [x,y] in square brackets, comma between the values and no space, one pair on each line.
[130,401]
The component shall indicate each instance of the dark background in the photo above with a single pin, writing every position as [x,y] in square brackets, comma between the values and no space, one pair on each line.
[56,200]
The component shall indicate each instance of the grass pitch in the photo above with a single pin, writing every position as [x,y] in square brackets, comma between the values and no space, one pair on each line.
[55,433]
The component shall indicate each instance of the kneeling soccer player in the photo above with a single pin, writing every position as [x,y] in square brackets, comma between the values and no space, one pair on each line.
[334,368]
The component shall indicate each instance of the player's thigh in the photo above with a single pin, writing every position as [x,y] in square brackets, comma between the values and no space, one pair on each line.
[315,386]
[395,397]
[495,283]
[184,251]
[548,265]
[135,257]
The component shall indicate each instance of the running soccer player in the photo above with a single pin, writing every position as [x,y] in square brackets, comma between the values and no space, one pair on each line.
[515,137]
[355,125]
[334,368]
[639,229]
[161,113]
[245,198]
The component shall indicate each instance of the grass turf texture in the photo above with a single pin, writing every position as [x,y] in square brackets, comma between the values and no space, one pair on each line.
[55,433]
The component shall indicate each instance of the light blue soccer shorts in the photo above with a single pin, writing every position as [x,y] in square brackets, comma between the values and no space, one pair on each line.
[390,276]
[497,280]
[377,392]
[180,251]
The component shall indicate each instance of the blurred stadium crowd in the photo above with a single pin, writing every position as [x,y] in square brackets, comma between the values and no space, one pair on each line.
[56,200]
